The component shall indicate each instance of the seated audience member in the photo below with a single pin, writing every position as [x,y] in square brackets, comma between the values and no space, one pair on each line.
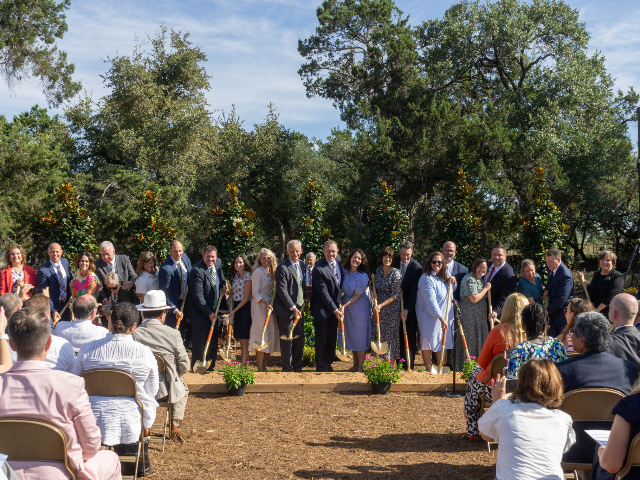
[113,293]
[30,389]
[538,344]
[60,355]
[501,338]
[532,433]
[119,418]
[609,460]
[593,368]
[82,329]
[625,340]
[10,303]
[576,307]
[166,342]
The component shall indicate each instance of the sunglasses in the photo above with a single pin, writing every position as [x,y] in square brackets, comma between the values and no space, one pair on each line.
[436,262]
[111,289]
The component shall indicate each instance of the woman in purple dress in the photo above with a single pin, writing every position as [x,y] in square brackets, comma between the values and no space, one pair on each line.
[356,307]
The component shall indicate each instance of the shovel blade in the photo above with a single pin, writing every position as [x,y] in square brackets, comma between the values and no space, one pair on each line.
[285,337]
[260,347]
[228,355]
[380,348]
[434,369]
[201,368]
[343,357]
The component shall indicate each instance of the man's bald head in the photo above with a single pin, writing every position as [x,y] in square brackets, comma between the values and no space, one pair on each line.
[623,309]
[449,251]
[84,306]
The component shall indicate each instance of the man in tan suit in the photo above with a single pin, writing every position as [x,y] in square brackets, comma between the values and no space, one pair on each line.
[31,389]
[166,342]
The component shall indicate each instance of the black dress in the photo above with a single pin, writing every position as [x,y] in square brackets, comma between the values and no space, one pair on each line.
[603,288]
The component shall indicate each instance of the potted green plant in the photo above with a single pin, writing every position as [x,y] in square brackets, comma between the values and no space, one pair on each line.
[237,376]
[381,373]
[470,364]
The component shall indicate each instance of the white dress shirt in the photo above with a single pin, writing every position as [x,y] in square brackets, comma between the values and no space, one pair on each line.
[79,332]
[495,270]
[146,282]
[59,357]
[119,418]
[180,264]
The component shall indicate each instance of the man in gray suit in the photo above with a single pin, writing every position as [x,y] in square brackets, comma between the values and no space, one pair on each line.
[288,305]
[625,339]
[166,342]
[110,262]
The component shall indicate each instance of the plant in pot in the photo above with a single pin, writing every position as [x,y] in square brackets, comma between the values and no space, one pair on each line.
[470,364]
[381,373]
[237,376]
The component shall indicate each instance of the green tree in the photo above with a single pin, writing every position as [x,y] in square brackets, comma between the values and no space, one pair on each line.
[388,224]
[231,227]
[542,227]
[458,223]
[32,167]
[312,232]
[152,231]
[70,224]
[28,33]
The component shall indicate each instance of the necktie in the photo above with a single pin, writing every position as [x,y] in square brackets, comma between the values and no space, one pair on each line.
[335,272]
[63,286]
[309,275]
[109,268]
[113,267]
[299,299]
[403,269]
[212,274]
[490,274]
[181,278]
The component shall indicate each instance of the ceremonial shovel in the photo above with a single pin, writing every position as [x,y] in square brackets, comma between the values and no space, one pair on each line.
[380,347]
[462,337]
[184,299]
[290,336]
[341,353]
[406,339]
[258,347]
[202,366]
[586,292]
[62,311]
[227,354]
[446,319]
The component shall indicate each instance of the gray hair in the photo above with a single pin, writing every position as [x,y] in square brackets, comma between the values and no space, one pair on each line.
[111,278]
[29,331]
[406,244]
[595,329]
[292,242]
[84,305]
[11,303]
[107,244]
[310,254]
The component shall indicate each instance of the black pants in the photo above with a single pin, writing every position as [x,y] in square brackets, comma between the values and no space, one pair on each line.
[199,335]
[291,350]
[326,335]
[555,329]
[412,330]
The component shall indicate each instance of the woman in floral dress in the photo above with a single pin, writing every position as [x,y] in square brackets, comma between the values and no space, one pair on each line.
[387,280]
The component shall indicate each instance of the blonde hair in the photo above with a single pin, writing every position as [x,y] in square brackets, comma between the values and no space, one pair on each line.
[512,316]
[274,263]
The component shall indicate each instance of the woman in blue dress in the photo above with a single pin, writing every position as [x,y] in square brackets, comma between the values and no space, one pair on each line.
[530,285]
[431,308]
[356,307]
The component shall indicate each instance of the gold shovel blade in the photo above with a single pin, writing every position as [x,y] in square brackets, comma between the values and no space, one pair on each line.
[228,355]
[343,357]
[285,337]
[380,348]
[258,347]
[201,368]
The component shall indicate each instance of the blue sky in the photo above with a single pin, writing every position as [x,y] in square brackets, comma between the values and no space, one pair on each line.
[251,47]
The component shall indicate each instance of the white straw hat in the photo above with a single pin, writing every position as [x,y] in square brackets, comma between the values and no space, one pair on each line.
[154,300]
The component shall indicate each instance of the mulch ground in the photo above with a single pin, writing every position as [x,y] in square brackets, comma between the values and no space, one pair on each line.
[317,436]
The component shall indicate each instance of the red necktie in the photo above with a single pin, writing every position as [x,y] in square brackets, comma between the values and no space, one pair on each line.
[490,274]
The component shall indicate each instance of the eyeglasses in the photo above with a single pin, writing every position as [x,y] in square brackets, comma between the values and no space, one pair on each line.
[436,262]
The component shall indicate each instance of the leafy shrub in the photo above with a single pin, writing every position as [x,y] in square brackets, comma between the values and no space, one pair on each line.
[237,374]
[469,366]
[308,354]
[378,369]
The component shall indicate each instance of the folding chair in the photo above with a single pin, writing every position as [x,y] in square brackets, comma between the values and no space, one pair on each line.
[111,382]
[589,405]
[162,369]
[34,440]
[496,367]
[633,458]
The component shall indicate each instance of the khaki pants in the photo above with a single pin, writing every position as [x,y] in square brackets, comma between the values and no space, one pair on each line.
[177,408]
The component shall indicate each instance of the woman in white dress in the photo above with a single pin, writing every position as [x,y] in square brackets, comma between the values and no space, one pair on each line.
[263,276]
[147,272]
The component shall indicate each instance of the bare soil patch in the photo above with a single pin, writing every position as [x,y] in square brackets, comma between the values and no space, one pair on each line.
[323,436]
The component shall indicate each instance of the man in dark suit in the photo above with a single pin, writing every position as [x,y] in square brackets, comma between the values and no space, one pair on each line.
[55,274]
[172,278]
[410,271]
[110,262]
[559,291]
[454,269]
[288,305]
[625,340]
[593,368]
[327,281]
[502,278]
[206,285]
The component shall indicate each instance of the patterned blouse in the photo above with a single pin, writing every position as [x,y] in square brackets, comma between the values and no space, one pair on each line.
[238,286]
[553,349]
[15,276]
[80,285]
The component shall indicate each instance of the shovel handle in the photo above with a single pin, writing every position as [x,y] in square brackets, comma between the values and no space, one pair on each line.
[342,326]
[184,299]
[586,292]
[266,320]
[446,319]
[209,338]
